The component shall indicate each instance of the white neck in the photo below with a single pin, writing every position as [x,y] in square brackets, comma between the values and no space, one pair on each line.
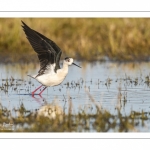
[61,73]
[65,68]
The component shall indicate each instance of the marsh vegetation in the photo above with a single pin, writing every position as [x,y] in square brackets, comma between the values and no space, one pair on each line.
[116,99]
[109,94]
[88,39]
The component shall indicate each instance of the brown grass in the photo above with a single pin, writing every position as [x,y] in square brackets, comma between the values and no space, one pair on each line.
[122,39]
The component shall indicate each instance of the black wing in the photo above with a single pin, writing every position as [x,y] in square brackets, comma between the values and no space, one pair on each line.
[48,52]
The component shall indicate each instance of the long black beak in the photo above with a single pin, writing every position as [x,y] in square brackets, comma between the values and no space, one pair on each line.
[76,65]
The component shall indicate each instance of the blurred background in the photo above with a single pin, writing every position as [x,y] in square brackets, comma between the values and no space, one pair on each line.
[110,93]
[87,39]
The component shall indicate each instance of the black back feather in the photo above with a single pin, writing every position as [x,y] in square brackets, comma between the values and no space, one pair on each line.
[48,52]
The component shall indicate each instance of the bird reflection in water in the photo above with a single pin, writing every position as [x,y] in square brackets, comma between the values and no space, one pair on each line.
[50,110]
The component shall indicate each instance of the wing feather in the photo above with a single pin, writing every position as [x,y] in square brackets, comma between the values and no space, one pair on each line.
[48,52]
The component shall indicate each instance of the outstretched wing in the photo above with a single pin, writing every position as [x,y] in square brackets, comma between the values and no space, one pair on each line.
[48,52]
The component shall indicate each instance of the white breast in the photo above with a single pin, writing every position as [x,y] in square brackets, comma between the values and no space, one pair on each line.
[52,79]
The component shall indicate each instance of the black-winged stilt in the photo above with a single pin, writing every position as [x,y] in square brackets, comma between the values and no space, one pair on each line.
[50,73]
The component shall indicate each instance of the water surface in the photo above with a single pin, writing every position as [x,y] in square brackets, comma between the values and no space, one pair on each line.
[113,86]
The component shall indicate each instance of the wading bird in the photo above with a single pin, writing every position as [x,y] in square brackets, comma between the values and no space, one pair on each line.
[50,73]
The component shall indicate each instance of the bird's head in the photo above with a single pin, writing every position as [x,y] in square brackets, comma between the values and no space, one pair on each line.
[69,61]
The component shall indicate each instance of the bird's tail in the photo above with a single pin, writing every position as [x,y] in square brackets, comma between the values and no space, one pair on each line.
[31,76]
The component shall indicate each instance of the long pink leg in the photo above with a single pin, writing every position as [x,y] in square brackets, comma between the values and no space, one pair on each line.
[37,99]
[36,89]
[42,91]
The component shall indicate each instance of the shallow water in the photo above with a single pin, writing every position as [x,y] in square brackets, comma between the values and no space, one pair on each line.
[113,86]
